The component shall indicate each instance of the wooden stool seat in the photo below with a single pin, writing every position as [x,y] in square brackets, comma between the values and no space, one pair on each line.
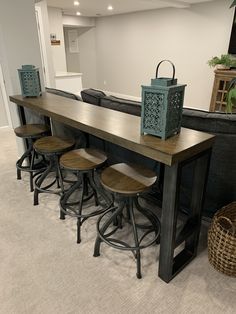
[53,145]
[83,159]
[30,133]
[85,162]
[125,179]
[31,130]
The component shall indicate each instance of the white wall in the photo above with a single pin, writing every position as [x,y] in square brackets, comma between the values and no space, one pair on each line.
[45,37]
[87,54]
[77,21]
[3,115]
[4,111]
[58,51]
[18,45]
[128,48]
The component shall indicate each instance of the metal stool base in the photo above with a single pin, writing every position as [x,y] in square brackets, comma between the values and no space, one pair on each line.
[33,168]
[52,167]
[116,219]
[89,189]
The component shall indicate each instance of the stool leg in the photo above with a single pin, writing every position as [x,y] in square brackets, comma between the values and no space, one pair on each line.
[96,188]
[40,180]
[128,213]
[66,195]
[21,160]
[151,217]
[103,229]
[18,174]
[59,175]
[31,171]
[86,186]
[80,210]
[119,218]
[62,215]
[93,186]
[136,241]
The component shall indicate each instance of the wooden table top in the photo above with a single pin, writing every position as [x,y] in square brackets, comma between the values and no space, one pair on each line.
[118,127]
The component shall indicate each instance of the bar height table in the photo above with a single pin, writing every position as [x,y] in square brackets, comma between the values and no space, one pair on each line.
[124,130]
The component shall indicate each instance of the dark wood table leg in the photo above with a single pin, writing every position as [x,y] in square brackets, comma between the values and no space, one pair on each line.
[21,113]
[170,266]
[197,199]
[168,222]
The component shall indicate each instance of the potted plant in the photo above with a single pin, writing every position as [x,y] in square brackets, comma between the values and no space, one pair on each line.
[225,61]
[233,4]
[231,96]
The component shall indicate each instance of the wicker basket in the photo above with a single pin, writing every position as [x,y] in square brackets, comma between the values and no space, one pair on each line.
[222,240]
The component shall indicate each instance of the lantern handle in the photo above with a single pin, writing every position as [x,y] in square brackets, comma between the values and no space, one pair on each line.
[172,67]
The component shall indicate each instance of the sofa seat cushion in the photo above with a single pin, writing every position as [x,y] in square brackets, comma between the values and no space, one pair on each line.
[123,105]
[92,96]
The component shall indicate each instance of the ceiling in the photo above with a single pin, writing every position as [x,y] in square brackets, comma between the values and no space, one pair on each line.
[94,8]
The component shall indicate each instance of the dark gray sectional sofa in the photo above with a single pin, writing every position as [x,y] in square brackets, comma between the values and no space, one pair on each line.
[221,185]
[62,130]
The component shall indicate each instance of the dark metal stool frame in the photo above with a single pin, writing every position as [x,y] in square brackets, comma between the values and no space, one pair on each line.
[53,166]
[85,180]
[30,154]
[116,218]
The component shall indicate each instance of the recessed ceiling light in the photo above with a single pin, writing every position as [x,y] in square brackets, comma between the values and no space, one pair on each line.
[110,8]
[78,13]
[76,3]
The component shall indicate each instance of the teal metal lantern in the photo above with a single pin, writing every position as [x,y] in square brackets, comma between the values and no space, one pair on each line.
[162,105]
[30,81]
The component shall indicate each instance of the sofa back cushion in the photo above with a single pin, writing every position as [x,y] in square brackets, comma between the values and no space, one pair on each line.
[62,93]
[123,105]
[221,185]
[212,122]
[92,96]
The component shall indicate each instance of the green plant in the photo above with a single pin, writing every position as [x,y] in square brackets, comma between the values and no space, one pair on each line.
[233,4]
[227,60]
[231,96]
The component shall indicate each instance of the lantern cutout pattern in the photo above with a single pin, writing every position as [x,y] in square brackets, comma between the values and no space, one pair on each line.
[162,105]
[30,81]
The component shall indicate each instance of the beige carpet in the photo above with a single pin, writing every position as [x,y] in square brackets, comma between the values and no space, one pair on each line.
[43,270]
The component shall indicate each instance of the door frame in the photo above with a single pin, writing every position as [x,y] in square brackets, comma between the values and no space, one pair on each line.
[5,97]
[43,50]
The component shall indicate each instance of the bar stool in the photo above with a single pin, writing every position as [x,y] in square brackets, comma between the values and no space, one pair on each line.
[126,183]
[85,162]
[30,132]
[51,147]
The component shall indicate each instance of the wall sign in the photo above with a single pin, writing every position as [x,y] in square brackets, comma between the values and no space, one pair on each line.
[54,40]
